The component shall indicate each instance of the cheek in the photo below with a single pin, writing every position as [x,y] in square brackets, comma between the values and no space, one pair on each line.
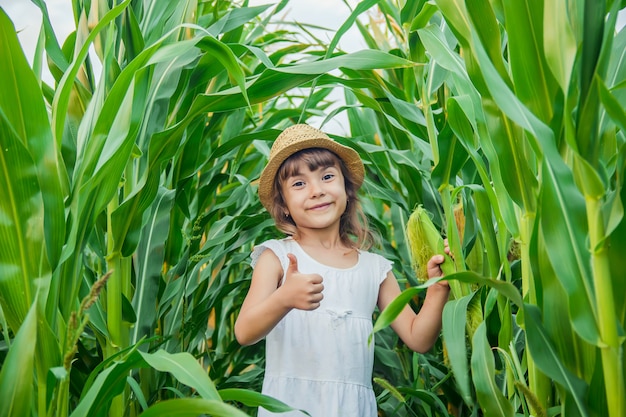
[290,200]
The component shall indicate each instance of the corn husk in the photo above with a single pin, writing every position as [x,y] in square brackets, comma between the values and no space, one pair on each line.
[425,241]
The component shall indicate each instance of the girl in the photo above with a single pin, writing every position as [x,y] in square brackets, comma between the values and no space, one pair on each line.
[313,293]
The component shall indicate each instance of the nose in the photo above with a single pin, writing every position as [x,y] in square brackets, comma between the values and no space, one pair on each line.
[317,189]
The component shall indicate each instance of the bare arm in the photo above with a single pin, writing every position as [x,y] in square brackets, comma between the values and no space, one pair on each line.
[418,331]
[267,302]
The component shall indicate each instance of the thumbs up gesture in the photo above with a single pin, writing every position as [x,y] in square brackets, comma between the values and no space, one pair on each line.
[302,291]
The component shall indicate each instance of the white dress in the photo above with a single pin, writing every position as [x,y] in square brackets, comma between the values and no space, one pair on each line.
[320,361]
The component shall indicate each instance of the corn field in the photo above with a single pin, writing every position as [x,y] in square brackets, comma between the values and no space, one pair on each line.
[128,201]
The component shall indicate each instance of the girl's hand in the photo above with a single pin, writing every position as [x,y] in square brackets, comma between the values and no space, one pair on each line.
[433,266]
[301,291]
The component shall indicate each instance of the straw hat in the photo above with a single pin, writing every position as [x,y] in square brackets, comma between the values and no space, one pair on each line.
[296,138]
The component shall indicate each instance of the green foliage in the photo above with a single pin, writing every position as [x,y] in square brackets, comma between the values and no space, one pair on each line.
[139,172]
[511,94]
[138,168]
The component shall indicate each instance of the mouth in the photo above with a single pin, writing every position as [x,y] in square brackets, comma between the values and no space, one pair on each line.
[319,206]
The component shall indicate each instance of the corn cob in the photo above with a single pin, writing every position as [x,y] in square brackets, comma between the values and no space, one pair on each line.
[424,242]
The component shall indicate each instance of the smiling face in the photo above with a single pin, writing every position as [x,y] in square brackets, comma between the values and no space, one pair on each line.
[312,186]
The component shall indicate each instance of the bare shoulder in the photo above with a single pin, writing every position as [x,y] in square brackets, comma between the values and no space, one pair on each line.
[268,268]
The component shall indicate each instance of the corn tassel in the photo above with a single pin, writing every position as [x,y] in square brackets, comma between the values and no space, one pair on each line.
[424,242]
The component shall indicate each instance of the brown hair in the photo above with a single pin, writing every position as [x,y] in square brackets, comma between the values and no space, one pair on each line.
[353,223]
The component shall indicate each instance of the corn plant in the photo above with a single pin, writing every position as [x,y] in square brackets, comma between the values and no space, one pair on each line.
[518,106]
[130,204]
[130,207]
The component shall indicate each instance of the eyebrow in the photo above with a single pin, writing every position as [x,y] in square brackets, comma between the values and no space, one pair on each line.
[295,173]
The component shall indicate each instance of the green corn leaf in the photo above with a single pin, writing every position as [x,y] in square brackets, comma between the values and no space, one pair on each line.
[421,20]
[150,260]
[457,17]
[489,395]
[254,399]
[573,352]
[534,84]
[63,93]
[461,125]
[24,113]
[488,31]
[493,251]
[128,218]
[360,60]
[563,206]
[437,46]
[394,308]
[133,38]
[515,160]
[268,85]
[32,229]
[192,407]
[22,241]
[545,355]
[587,178]
[16,376]
[106,152]
[559,42]
[106,383]
[233,19]
[160,19]
[186,369]
[617,246]
[564,227]
[454,322]
[227,58]
[428,397]
[613,107]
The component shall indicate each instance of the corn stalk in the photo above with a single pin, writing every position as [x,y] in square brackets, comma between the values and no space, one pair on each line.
[141,173]
[519,104]
[565,157]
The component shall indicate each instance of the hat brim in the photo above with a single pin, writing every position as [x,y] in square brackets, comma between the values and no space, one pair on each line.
[349,156]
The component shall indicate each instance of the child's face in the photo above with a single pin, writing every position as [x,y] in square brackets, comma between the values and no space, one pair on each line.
[315,199]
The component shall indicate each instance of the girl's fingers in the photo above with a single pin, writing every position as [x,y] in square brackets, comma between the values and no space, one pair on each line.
[433,266]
